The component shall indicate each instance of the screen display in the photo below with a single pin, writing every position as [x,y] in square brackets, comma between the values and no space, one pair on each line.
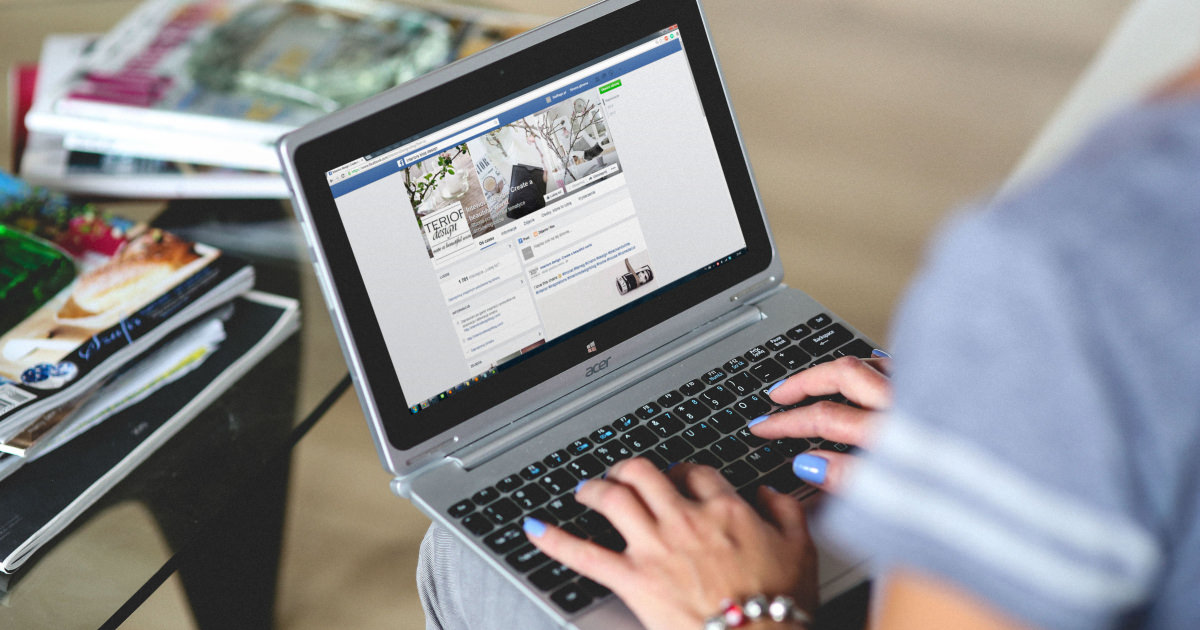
[496,236]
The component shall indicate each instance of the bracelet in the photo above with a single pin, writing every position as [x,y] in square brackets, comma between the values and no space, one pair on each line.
[734,615]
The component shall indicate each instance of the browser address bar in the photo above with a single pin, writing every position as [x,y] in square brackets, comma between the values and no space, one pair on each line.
[452,141]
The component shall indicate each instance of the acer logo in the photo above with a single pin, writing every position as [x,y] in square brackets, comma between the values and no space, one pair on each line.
[597,368]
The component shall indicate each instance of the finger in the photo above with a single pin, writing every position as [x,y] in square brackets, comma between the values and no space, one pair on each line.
[620,504]
[584,557]
[784,511]
[827,470]
[700,482]
[658,493]
[825,419]
[856,379]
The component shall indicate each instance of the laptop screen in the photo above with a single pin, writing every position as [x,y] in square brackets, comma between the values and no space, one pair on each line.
[529,221]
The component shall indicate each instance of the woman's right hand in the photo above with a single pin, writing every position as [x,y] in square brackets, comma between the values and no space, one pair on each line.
[864,382]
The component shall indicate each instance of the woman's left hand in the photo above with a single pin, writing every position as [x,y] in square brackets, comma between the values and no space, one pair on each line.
[692,542]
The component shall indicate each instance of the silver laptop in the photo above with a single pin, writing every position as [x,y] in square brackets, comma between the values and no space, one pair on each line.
[550,257]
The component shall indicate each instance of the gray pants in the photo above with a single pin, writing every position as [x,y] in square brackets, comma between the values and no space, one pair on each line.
[459,591]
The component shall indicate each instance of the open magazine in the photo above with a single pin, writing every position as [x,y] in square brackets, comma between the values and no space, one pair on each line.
[85,293]
[56,485]
[218,81]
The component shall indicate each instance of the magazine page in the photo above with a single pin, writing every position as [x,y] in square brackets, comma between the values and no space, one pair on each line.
[243,72]
[85,292]
[43,496]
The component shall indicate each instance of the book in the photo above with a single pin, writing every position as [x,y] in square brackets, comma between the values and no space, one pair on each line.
[85,293]
[43,496]
[218,81]
[45,160]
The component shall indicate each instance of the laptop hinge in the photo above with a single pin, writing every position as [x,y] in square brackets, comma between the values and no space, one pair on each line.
[486,447]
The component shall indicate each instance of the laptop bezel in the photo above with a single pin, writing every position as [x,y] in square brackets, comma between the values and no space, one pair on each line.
[307,154]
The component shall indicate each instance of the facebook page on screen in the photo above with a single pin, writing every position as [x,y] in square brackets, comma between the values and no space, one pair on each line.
[483,240]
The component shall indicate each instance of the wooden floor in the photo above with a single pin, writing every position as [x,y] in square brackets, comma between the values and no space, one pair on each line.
[866,122]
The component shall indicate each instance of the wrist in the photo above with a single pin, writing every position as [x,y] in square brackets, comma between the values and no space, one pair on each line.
[759,613]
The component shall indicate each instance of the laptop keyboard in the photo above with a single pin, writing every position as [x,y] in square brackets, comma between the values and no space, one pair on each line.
[703,421]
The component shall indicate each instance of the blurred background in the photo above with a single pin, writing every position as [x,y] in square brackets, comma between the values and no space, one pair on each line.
[866,122]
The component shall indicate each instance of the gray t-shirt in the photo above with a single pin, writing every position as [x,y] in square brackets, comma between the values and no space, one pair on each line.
[1044,449]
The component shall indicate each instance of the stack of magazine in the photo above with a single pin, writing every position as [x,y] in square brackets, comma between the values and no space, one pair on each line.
[186,98]
[98,317]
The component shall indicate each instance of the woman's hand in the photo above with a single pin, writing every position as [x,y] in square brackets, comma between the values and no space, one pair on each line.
[864,382]
[692,542]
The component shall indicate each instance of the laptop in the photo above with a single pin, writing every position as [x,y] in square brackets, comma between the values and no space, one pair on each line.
[633,303]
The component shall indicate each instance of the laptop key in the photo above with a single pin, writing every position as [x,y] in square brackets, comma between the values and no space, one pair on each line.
[477,524]
[509,483]
[533,471]
[485,496]
[543,515]
[558,481]
[626,422]
[612,453]
[691,410]
[565,508]
[580,446]
[820,321]
[654,458]
[792,446]
[784,480]
[738,473]
[506,540]
[765,458]
[526,559]
[610,540]
[551,575]
[736,364]
[587,466]
[777,343]
[700,435]
[530,497]
[692,387]
[757,353]
[557,458]
[799,332]
[751,406]
[713,376]
[571,598]
[704,458]
[665,425]
[670,399]
[751,440]
[593,588]
[674,449]
[792,358]
[857,348]
[593,522]
[648,410]
[718,396]
[574,530]
[729,448]
[768,371]
[726,421]
[502,511]
[460,509]
[824,359]
[603,434]
[639,439]
[743,384]
[824,341]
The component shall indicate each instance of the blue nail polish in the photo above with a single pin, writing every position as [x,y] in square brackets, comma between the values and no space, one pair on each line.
[757,420]
[880,353]
[579,485]
[775,386]
[534,527]
[670,466]
[810,468]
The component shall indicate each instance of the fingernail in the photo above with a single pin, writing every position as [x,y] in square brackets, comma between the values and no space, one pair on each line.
[670,466]
[534,527]
[880,353]
[579,485]
[757,420]
[775,386]
[810,468]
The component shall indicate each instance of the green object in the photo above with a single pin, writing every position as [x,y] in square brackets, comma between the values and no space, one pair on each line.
[32,271]
[610,86]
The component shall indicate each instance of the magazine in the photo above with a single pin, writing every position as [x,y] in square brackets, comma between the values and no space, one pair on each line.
[47,493]
[85,293]
[218,81]
[46,161]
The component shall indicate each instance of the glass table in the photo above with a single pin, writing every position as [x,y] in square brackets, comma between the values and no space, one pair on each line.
[208,504]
